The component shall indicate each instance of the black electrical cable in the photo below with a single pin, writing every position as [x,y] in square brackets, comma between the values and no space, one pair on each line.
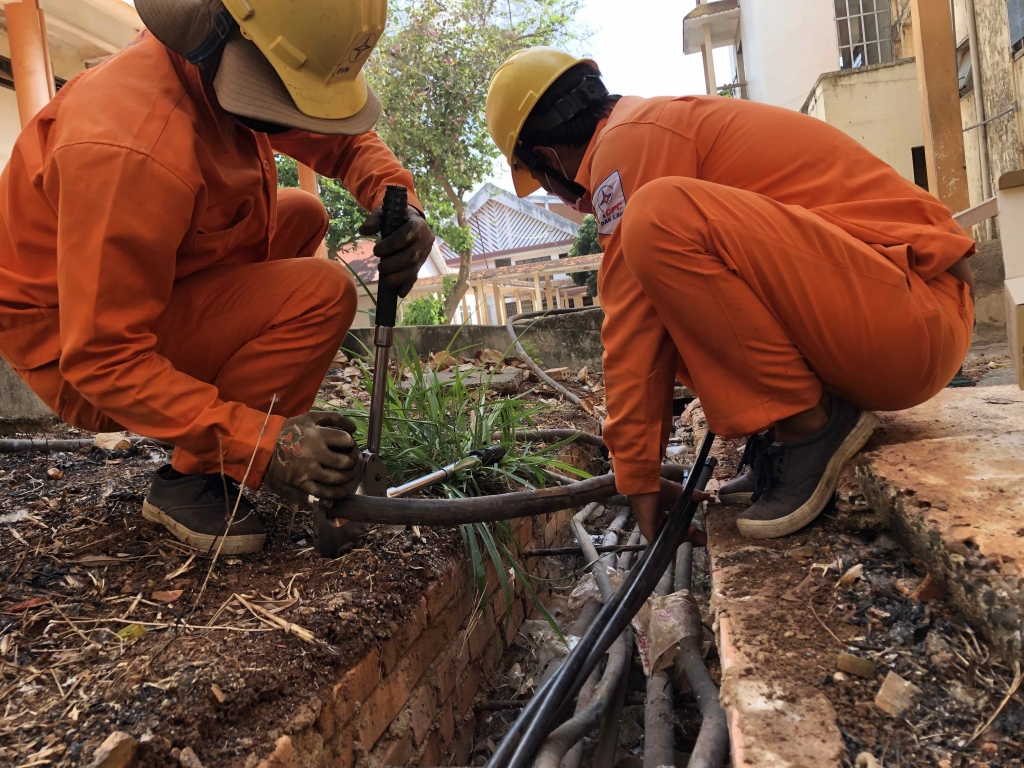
[520,745]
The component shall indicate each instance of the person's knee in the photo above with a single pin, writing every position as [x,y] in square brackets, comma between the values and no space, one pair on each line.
[666,209]
[306,210]
[337,294]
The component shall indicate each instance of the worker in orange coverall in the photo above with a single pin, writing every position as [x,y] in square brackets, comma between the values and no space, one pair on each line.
[152,276]
[790,278]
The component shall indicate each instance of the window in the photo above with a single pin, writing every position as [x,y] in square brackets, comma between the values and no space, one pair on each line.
[563,255]
[534,260]
[1015,15]
[865,33]
[503,262]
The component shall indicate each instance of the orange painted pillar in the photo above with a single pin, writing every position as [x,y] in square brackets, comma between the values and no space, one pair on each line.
[308,183]
[51,84]
[28,58]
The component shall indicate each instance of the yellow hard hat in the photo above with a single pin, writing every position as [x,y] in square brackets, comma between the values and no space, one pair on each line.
[296,64]
[317,47]
[516,87]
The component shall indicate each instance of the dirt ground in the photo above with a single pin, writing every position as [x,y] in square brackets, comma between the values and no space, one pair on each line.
[80,566]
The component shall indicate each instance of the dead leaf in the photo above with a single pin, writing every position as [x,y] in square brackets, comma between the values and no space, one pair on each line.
[851,575]
[21,607]
[168,596]
[54,474]
[98,560]
[340,359]
[488,356]
[112,441]
[791,595]
[589,404]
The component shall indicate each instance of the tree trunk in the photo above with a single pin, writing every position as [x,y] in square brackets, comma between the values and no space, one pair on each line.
[465,258]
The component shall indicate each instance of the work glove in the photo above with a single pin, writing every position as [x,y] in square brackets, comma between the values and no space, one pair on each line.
[403,253]
[315,455]
[651,510]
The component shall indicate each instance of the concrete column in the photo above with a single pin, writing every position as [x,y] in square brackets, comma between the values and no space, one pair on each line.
[499,305]
[51,84]
[548,292]
[481,304]
[28,58]
[709,62]
[519,303]
[935,52]
[538,301]
[465,309]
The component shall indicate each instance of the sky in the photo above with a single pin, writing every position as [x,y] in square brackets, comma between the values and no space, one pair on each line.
[639,46]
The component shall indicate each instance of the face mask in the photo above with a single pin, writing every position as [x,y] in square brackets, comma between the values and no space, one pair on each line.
[580,205]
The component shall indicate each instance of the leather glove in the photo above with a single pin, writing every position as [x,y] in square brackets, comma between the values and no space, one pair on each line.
[315,455]
[403,253]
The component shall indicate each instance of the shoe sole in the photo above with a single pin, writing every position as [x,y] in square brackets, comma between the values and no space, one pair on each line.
[202,542]
[735,498]
[794,521]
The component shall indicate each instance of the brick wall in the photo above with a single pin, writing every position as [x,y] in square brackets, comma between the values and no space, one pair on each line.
[409,701]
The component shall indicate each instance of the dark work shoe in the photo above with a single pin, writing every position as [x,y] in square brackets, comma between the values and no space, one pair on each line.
[741,487]
[795,480]
[195,510]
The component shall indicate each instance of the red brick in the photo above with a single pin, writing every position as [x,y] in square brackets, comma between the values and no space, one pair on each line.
[423,709]
[383,706]
[355,686]
[344,753]
[446,670]
[325,723]
[463,746]
[447,725]
[514,622]
[432,751]
[550,530]
[525,532]
[444,589]
[398,752]
[469,685]
[460,646]
[483,631]
[393,648]
[492,655]
[459,610]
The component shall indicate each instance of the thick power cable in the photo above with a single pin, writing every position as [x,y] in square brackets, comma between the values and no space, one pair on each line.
[521,743]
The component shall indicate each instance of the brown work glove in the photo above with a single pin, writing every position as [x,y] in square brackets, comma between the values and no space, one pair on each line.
[402,254]
[315,455]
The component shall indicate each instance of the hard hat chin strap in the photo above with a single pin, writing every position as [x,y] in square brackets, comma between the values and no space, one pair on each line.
[223,24]
[538,166]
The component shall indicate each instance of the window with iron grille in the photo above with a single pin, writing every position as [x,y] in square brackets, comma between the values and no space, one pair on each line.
[865,32]
[1015,15]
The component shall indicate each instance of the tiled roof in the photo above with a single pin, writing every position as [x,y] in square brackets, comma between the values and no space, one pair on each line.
[593,261]
[359,256]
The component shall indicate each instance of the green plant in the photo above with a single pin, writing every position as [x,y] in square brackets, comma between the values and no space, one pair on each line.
[531,350]
[426,310]
[585,244]
[430,422]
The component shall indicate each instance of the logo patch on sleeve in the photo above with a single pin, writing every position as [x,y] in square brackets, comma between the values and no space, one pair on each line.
[609,204]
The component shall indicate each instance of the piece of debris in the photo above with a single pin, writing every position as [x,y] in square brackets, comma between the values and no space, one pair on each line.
[895,695]
[867,760]
[218,694]
[805,552]
[489,356]
[929,589]
[855,665]
[582,375]
[558,374]
[167,596]
[132,632]
[189,759]
[54,474]
[112,441]
[851,575]
[116,751]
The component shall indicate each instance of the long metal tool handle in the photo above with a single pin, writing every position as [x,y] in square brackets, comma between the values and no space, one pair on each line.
[395,215]
[520,745]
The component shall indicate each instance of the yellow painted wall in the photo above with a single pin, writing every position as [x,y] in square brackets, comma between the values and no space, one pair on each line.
[878,106]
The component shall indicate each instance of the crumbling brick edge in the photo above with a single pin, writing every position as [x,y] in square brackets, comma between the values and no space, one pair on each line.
[409,701]
[977,588]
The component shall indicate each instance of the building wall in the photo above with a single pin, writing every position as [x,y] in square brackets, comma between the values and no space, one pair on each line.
[787,44]
[878,106]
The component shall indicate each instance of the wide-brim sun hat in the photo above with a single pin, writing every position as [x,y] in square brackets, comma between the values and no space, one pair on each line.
[299,70]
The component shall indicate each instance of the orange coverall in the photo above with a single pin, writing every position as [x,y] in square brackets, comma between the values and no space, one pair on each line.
[761,256]
[148,277]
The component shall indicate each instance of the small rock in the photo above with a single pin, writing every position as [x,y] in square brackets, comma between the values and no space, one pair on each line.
[218,693]
[189,759]
[895,695]
[990,748]
[855,665]
[167,596]
[867,760]
[802,553]
[582,375]
[54,474]
[558,374]
[281,757]
[929,589]
[839,677]
[117,751]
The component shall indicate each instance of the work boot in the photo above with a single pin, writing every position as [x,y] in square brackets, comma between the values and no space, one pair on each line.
[741,487]
[195,510]
[795,480]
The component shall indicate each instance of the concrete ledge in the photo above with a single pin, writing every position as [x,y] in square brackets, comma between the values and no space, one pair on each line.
[949,478]
[561,341]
